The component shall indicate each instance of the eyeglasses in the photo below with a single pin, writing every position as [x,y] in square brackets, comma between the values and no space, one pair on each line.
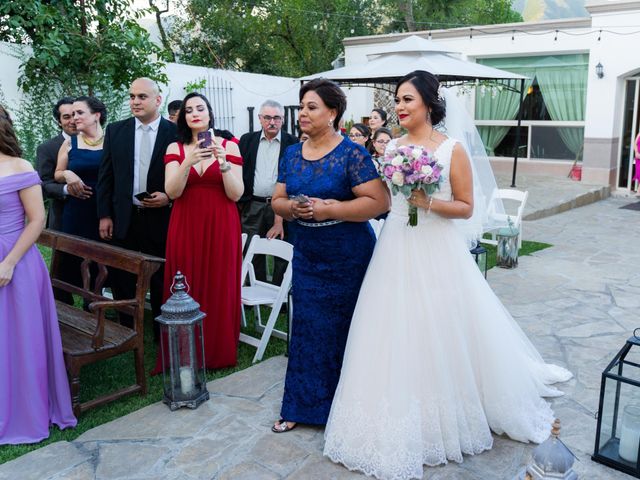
[355,135]
[382,142]
[268,118]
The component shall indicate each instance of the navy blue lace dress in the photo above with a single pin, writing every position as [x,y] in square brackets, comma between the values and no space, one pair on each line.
[329,263]
[80,217]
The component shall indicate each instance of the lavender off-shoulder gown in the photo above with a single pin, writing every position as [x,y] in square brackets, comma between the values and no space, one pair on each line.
[34,390]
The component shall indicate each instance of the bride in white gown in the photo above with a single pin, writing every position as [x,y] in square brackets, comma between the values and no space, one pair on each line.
[434,362]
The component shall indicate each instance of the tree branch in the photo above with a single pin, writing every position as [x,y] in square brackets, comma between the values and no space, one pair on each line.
[163,35]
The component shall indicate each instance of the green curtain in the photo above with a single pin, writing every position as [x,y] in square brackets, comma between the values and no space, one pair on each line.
[564,92]
[504,106]
[562,80]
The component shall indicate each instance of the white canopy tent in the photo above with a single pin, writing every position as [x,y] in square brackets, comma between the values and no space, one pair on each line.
[391,62]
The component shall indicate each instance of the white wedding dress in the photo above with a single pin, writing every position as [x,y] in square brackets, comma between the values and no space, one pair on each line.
[434,361]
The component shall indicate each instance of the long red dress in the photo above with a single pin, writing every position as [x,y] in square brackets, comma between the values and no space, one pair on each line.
[204,243]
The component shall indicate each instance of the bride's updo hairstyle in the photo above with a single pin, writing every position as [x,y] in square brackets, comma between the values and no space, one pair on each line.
[427,86]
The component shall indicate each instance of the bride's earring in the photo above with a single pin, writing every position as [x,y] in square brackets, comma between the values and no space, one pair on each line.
[429,116]
[330,124]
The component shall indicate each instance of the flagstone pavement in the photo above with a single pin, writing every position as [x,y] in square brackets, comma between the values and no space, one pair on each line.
[577,301]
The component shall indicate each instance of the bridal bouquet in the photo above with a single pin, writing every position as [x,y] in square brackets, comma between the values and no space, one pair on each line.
[408,167]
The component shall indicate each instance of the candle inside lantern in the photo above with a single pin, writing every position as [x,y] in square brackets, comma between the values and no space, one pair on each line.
[186,380]
[630,433]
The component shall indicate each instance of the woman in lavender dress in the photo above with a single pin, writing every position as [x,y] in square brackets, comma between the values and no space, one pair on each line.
[34,390]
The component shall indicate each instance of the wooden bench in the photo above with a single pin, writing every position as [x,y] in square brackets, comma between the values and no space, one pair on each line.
[88,337]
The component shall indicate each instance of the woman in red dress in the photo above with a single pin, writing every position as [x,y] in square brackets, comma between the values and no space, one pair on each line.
[203,241]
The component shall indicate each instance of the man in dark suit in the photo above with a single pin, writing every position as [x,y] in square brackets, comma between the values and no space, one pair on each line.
[261,152]
[47,158]
[132,205]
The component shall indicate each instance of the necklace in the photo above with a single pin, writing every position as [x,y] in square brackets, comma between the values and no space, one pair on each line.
[92,143]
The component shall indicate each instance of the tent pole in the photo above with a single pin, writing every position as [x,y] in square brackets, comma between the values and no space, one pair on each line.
[517,146]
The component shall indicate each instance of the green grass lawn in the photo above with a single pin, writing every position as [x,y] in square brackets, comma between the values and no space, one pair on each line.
[527,249]
[119,372]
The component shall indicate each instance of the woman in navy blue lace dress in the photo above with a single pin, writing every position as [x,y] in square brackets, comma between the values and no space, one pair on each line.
[328,188]
[78,163]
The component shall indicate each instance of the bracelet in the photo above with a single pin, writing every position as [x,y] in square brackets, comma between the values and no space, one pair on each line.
[430,202]
[225,166]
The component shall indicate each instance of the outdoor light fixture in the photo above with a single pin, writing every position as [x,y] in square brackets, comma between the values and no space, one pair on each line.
[182,348]
[618,428]
[599,70]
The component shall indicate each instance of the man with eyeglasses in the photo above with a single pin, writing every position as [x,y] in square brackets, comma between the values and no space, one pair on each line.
[261,151]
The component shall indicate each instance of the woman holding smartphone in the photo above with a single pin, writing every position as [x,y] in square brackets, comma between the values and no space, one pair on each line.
[203,177]
[328,188]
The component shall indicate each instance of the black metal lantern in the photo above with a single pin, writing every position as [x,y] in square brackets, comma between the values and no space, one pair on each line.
[599,70]
[182,347]
[480,256]
[618,428]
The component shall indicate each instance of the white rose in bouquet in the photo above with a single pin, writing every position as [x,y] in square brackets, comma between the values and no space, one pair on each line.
[397,160]
[426,170]
[397,178]
[416,153]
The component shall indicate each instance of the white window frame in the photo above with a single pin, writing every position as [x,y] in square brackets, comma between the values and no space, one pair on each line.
[527,124]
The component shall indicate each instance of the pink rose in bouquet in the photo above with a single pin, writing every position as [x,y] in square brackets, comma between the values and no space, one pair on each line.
[409,167]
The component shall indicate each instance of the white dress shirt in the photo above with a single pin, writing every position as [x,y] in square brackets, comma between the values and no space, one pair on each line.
[153,133]
[266,174]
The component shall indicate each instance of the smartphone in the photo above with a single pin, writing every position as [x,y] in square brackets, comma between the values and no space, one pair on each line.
[301,198]
[206,136]
[142,195]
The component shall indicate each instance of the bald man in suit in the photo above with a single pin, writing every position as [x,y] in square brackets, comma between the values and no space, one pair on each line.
[128,221]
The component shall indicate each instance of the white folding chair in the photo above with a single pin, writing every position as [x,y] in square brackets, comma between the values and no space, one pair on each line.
[244,240]
[511,195]
[377,226]
[258,293]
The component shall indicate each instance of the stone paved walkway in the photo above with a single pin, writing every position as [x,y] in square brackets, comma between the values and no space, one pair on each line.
[577,301]
[552,195]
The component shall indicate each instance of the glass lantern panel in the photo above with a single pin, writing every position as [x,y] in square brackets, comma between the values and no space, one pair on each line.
[165,333]
[620,422]
[200,376]
[630,366]
[507,250]
[181,360]
[482,262]
[185,361]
